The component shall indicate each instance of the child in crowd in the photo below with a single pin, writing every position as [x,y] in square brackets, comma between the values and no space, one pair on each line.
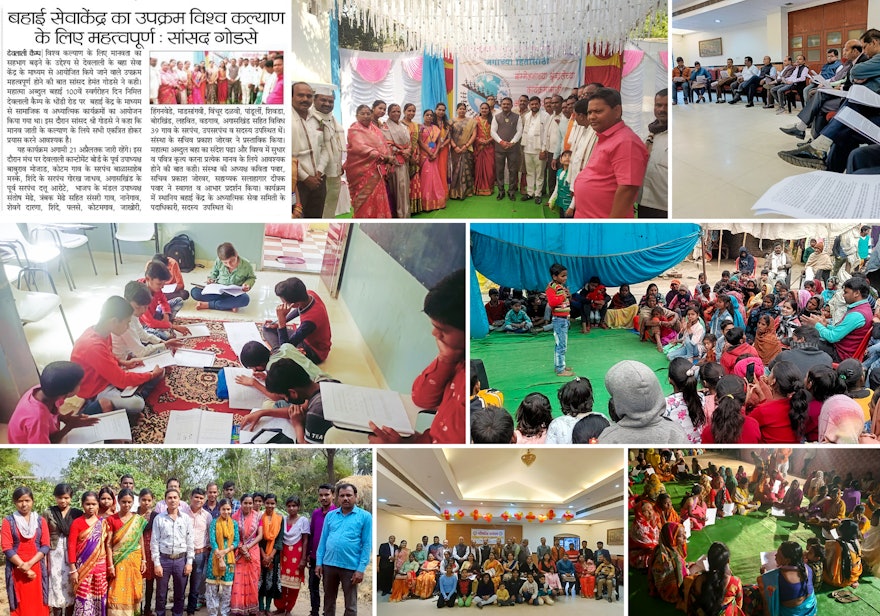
[597,298]
[709,355]
[545,593]
[313,335]
[588,429]
[176,277]
[481,398]
[306,410]
[229,270]
[504,597]
[257,356]
[561,198]
[516,320]
[864,245]
[850,373]
[576,400]
[538,313]
[136,342]
[158,318]
[495,311]
[532,419]
[559,300]
[710,374]
[491,425]
[35,420]
[658,328]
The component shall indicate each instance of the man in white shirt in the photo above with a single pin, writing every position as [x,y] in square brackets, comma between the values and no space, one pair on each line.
[532,143]
[201,520]
[267,78]
[333,143]
[747,81]
[778,264]
[653,202]
[172,551]
[308,150]
[554,133]
[154,82]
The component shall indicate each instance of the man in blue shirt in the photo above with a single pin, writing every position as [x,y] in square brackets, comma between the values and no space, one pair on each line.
[600,549]
[344,550]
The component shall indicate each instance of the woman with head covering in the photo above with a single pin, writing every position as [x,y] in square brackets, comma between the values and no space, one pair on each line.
[793,499]
[841,420]
[643,535]
[366,167]
[667,568]
[843,557]
[665,511]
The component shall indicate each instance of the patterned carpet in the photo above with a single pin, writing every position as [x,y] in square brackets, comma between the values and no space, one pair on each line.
[187,388]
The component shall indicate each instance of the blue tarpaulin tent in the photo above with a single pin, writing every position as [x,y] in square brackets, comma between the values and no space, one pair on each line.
[520,255]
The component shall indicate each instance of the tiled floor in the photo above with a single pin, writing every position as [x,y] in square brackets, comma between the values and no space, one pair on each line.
[308,253]
[724,158]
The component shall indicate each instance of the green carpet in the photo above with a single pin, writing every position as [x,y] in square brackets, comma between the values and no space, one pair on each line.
[747,536]
[519,364]
[474,208]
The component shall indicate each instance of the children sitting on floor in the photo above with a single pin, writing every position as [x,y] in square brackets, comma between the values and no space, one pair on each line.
[158,318]
[495,310]
[313,334]
[516,320]
[576,400]
[229,270]
[532,419]
[136,342]
[257,356]
[176,277]
[288,378]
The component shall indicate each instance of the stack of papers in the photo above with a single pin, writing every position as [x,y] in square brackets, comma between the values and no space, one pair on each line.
[182,357]
[223,289]
[242,396]
[111,426]
[198,427]
[240,333]
[353,408]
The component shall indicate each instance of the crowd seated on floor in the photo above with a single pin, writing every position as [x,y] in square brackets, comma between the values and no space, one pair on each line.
[503,574]
[831,145]
[843,512]
[793,366]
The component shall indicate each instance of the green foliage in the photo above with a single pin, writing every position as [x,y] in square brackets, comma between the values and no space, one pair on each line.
[656,25]
[15,472]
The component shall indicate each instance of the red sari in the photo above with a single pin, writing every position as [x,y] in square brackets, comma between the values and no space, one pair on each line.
[246,584]
[484,159]
[365,173]
[26,597]
[432,179]
[168,88]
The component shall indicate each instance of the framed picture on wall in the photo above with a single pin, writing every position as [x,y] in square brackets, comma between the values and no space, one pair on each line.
[614,536]
[711,47]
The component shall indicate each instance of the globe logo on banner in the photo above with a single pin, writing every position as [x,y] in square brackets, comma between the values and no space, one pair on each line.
[475,91]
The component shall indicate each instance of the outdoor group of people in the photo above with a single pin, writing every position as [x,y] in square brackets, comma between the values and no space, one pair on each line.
[505,574]
[234,81]
[233,556]
[399,167]
[660,532]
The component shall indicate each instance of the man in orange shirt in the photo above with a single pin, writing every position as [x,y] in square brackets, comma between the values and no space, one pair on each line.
[681,78]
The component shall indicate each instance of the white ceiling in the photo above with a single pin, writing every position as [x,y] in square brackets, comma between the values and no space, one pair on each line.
[422,483]
[730,13]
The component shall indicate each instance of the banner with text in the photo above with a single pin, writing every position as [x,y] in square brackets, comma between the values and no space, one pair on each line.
[493,535]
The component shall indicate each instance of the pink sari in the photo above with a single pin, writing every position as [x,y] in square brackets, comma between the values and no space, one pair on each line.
[484,159]
[433,186]
[168,88]
[365,174]
[198,91]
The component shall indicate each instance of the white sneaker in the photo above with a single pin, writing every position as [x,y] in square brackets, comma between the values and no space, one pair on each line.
[540,601]
[548,601]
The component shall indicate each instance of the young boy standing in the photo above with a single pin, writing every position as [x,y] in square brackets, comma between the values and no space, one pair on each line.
[559,300]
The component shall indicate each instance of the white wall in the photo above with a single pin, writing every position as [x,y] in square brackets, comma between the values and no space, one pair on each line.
[311,46]
[873,13]
[747,40]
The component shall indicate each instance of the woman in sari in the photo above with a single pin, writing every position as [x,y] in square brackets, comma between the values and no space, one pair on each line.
[366,167]
[665,511]
[843,557]
[106,502]
[794,584]
[585,571]
[402,583]
[415,184]
[398,139]
[25,541]
[59,517]
[484,153]
[643,535]
[270,554]
[90,552]
[427,577]
[145,510]
[198,81]
[694,508]
[667,568]
[295,539]
[246,583]
[224,539]
[442,122]
[493,567]
[791,503]
[433,188]
[167,86]
[222,84]
[716,591]
[462,135]
[129,558]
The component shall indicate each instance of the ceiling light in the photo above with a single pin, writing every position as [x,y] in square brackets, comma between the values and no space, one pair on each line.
[717,21]
[617,485]
[448,502]
[383,500]
[441,492]
[528,458]
[572,506]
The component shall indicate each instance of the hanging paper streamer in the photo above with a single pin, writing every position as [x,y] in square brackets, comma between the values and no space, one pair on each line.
[664,59]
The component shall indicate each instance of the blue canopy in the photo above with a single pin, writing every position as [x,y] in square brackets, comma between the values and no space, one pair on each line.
[520,255]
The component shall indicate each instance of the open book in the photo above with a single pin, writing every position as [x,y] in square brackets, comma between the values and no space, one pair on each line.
[823,195]
[859,123]
[197,427]
[353,408]
[223,289]
[239,333]
[112,426]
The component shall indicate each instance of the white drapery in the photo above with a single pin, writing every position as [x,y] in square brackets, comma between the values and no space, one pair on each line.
[391,77]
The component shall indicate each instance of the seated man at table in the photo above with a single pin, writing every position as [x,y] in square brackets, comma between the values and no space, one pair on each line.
[306,410]
[257,356]
[313,333]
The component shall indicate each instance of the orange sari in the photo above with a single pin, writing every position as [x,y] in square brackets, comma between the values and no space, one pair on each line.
[365,173]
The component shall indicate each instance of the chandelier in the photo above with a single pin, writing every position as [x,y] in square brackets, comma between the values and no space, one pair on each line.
[528,458]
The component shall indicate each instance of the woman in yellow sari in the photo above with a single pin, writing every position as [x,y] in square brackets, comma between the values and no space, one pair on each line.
[493,567]
[462,134]
[427,578]
[403,578]
[415,184]
[129,558]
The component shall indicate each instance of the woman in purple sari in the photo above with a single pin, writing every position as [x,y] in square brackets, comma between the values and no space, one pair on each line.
[89,549]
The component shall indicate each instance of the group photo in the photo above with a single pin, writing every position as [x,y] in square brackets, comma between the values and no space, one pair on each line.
[793,91]
[233,333]
[501,528]
[676,334]
[98,532]
[769,532]
[389,128]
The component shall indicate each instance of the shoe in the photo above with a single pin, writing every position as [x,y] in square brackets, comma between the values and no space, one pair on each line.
[567,372]
[512,195]
[500,195]
[768,106]
[803,143]
[479,606]
[538,200]
[794,131]
[686,101]
[750,104]
[526,198]
[805,156]
[735,100]
[674,102]
[780,111]
[720,101]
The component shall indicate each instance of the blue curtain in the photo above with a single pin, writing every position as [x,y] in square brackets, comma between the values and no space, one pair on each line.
[520,256]
[433,81]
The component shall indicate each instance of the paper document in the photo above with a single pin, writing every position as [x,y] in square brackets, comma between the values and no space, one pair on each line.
[221,289]
[729,508]
[863,96]
[817,78]
[198,427]
[649,470]
[830,534]
[776,485]
[823,195]
[192,358]
[197,330]
[687,527]
[352,407]
[269,426]
[768,561]
[859,123]
[163,359]
[111,426]
[710,516]
[169,288]
[242,396]
[833,92]
[240,333]
[777,512]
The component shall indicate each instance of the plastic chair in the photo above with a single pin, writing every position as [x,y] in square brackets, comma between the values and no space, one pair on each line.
[14,245]
[132,232]
[34,306]
[65,237]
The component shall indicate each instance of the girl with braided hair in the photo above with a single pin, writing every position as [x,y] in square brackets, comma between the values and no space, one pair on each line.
[716,591]
[843,557]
